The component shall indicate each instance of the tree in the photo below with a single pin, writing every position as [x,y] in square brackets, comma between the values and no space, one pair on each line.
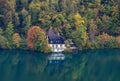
[68,30]
[32,36]
[6,13]
[72,18]
[80,37]
[34,8]
[8,34]
[118,40]
[1,31]
[16,39]
[9,31]
[36,39]
[12,4]
[26,23]
[104,38]
[115,20]
[90,13]
[92,31]
[58,20]
[78,20]
[45,20]
[3,42]
[16,20]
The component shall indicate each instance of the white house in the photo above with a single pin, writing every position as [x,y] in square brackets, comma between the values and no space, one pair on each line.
[56,42]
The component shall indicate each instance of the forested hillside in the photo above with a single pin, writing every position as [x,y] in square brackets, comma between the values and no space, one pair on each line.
[91,24]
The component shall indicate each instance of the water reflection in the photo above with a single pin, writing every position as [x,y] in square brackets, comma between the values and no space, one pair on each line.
[55,63]
[95,65]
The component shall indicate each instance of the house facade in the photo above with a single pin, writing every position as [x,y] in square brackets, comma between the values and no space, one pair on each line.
[56,42]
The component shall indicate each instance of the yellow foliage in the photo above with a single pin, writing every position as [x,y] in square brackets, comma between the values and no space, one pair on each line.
[78,20]
[16,39]
[115,9]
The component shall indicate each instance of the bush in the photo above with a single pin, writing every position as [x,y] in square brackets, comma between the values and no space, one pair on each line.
[112,43]
[67,50]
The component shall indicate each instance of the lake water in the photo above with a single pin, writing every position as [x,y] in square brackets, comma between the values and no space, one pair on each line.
[95,65]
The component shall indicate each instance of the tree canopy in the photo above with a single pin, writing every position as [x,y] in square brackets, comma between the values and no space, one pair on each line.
[83,21]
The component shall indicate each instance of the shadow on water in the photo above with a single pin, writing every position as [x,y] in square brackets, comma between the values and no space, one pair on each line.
[88,65]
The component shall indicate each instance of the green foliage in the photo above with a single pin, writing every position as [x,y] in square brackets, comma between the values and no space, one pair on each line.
[112,43]
[107,41]
[93,45]
[8,34]
[23,44]
[3,42]
[80,37]
[74,19]
[6,13]
[118,41]
[9,31]
[68,50]
[1,31]
[90,13]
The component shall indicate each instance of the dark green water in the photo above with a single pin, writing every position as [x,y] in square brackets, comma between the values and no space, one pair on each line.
[97,65]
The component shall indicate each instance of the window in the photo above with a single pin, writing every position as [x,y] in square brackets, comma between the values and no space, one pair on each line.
[53,46]
[56,45]
[60,45]
[51,41]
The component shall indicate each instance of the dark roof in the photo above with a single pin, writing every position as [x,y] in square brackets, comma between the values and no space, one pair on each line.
[51,34]
[54,38]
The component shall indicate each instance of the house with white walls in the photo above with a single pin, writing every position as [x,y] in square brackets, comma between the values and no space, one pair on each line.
[56,41]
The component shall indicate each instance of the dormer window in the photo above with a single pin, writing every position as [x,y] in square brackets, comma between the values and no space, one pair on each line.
[51,41]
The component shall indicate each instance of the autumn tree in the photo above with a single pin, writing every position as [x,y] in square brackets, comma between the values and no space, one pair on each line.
[78,20]
[16,39]
[36,39]
[74,19]
[32,36]
[80,35]
[104,38]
